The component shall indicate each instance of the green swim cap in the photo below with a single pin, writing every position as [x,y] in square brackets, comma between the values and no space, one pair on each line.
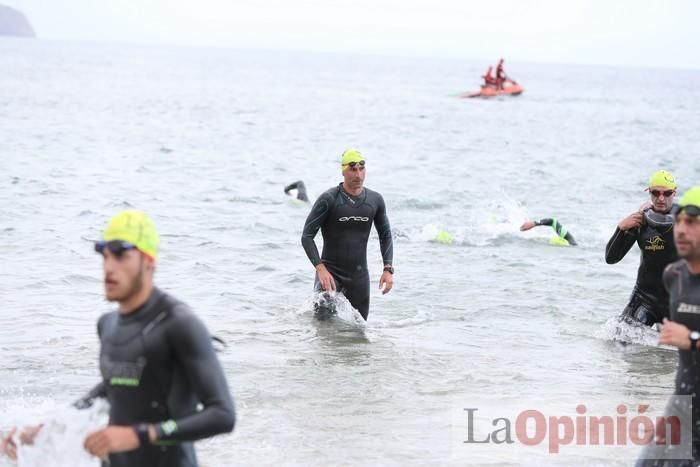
[663,179]
[444,237]
[136,228]
[558,241]
[690,198]
[351,155]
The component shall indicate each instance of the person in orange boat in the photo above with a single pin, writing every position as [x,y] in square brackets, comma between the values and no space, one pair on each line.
[500,75]
[489,80]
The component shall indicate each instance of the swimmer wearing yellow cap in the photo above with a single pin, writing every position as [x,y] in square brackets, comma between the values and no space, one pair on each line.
[563,236]
[651,227]
[345,214]
[156,362]
[682,329]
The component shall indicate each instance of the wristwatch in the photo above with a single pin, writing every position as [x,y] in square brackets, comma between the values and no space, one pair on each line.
[389,268]
[141,430]
[694,338]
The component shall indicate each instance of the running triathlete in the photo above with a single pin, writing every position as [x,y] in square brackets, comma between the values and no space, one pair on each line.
[160,374]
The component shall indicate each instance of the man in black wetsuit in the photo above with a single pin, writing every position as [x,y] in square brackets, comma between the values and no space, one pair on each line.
[345,214]
[652,229]
[563,238]
[157,362]
[682,329]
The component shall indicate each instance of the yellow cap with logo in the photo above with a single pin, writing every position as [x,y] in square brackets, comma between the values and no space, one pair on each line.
[136,228]
[350,155]
[663,179]
[690,198]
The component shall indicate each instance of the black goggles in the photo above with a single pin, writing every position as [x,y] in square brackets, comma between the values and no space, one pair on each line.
[353,164]
[690,210]
[116,247]
[666,193]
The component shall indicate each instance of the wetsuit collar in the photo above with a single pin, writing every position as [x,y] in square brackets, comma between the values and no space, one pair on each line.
[354,200]
[153,299]
[691,269]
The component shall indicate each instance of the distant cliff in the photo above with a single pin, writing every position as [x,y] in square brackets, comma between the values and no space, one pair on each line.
[14,23]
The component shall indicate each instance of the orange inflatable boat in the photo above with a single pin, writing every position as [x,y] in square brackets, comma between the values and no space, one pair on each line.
[510,89]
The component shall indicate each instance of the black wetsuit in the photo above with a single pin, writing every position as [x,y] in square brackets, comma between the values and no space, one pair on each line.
[649,300]
[559,229]
[301,190]
[157,365]
[345,222]
[684,290]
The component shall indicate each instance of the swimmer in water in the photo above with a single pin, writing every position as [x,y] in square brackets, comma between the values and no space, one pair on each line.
[300,189]
[563,237]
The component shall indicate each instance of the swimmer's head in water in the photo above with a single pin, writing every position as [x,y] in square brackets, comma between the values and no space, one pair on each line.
[136,228]
[351,158]
[558,241]
[444,237]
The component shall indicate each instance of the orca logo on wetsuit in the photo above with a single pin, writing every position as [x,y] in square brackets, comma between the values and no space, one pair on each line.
[353,218]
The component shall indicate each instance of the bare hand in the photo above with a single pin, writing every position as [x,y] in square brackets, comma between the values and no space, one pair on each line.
[645,205]
[631,222]
[527,225]
[386,282]
[111,439]
[325,278]
[26,436]
[674,334]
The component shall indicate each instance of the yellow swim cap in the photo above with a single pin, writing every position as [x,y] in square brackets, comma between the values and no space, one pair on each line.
[558,241]
[444,237]
[351,155]
[134,227]
[663,179]
[690,198]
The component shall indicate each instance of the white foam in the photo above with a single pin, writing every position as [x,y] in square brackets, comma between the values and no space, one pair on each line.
[59,443]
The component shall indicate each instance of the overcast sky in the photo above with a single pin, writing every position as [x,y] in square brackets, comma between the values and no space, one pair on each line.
[658,33]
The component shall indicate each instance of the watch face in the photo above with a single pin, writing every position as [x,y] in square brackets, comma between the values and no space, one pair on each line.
[695,335]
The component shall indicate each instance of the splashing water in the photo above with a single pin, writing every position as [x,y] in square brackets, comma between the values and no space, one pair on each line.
[615,329]
[59,443]
[342,311]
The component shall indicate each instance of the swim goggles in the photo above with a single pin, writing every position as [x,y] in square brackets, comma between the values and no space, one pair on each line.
[691,210]
[666,193]
[116,247]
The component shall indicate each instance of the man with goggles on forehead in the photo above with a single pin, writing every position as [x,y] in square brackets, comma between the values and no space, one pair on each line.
[160,374]
[651,228]
[345,214]
[682,329]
